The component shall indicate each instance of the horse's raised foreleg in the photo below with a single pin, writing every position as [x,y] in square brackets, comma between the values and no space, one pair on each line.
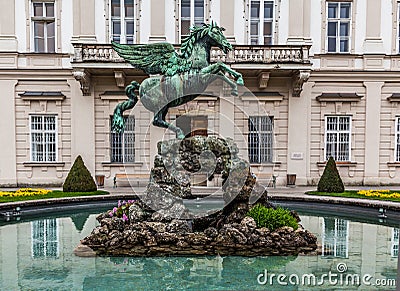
[221,67]
[159,120]
[118,122]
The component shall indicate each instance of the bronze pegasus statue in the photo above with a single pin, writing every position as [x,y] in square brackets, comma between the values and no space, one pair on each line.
[181,75]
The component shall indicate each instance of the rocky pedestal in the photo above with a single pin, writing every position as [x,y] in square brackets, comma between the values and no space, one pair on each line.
[160,224]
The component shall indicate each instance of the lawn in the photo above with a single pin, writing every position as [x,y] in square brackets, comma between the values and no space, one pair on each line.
[33,194]
[385,195]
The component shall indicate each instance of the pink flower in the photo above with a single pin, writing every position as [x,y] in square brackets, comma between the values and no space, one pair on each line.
[111,213]
[124,217]
[119,203]
[114,209]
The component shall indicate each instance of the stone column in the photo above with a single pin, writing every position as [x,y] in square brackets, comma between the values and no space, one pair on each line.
[84,21]
[372,131]
[227,19]
[8,40]
[373,42]
[157,31]
[8,154]
[299,135]
[82,126]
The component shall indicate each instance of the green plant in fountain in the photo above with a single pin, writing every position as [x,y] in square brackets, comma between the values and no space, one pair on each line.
[79,178]
[272,218]
[330,180]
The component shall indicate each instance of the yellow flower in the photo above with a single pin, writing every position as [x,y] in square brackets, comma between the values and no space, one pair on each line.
[24,192]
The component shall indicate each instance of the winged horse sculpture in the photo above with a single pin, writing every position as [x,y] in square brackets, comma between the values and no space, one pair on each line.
[181,75]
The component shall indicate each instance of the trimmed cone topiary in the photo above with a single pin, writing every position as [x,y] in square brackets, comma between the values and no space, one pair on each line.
[79,178]
[330,180]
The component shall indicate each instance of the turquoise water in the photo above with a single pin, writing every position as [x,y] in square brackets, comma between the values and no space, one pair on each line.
[37,254]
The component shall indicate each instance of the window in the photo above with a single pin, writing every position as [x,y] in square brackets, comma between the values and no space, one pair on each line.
[123,143]
[43,137]
[338,30]
[397,141]
[43,25]
[335,238]
[260,139]
[122,21]
[337,137]
[44,238]
[261,22]
[192,13]
[395,243]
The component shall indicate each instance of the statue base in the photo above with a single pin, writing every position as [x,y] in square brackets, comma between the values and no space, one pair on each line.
[160,224]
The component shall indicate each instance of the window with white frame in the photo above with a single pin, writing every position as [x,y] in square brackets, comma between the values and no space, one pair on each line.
[338,27]
[122,21]
[260,139]
[397,141]
[395,243]
[43,135]
[261,22]
[192,13]
[335,238]
[123,143]
[43,26]
[337,137]
[45,243]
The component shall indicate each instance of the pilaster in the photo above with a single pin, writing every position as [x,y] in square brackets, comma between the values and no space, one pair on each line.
[299,134]
[8,40]
[299,22]
[227,19]
[157,30]
[372,131]
[82,126]
[84,21]
[373,42]
[8,154]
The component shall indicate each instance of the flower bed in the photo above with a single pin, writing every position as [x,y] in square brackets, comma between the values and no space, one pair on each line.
[379,193]
[24,192]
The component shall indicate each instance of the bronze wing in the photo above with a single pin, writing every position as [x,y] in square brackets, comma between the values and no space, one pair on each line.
[155,58]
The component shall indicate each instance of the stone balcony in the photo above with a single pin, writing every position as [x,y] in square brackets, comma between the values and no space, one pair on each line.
[259,61]
[87,53]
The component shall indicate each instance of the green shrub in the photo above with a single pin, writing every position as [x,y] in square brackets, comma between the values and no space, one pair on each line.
[79,178]
[330,180]
[272,218]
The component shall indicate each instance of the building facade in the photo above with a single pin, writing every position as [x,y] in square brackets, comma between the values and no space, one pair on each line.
[322,79]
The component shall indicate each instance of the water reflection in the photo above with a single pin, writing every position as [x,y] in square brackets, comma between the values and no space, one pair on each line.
[37,255]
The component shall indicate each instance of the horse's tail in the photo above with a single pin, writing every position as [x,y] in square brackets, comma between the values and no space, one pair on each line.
[118,122]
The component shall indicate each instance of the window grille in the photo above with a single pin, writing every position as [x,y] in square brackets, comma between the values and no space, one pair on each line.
[45,238]
[260,139]
[123,143]
[43,138]
[337,137]
[335,238]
